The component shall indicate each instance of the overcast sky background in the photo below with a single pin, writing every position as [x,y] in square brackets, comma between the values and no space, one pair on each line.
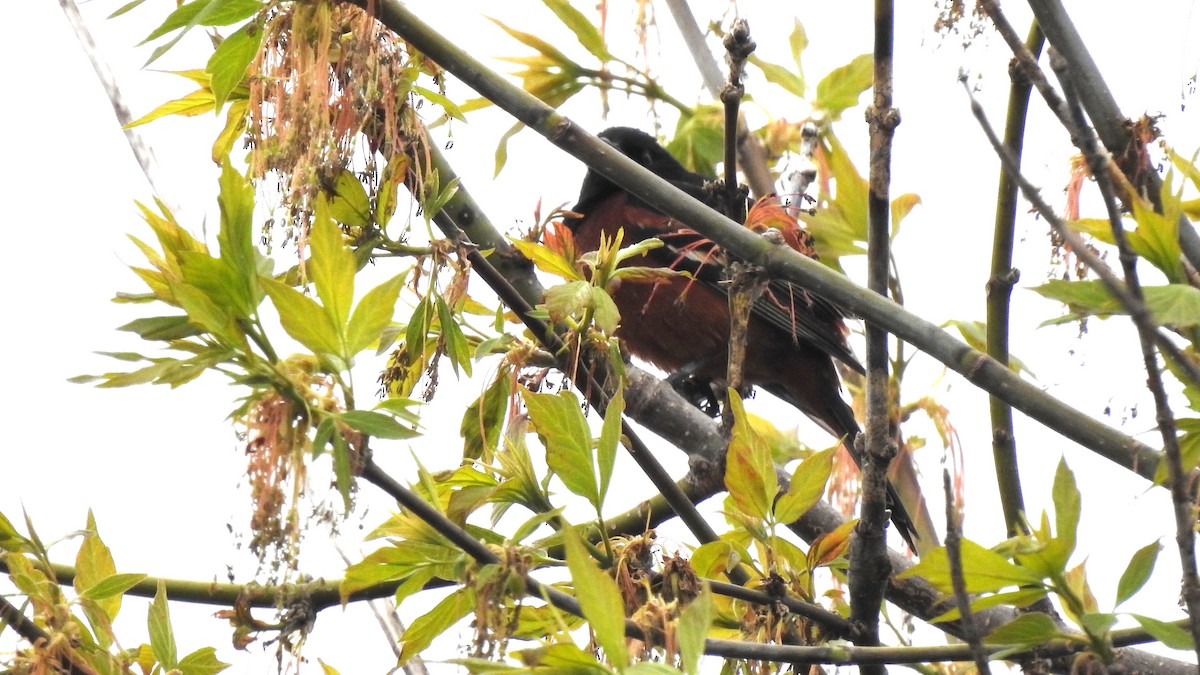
[161,468]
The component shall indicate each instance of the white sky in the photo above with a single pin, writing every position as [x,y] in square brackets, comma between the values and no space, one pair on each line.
[159,467]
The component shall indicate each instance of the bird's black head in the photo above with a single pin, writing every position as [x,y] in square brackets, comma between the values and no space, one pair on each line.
[642,148]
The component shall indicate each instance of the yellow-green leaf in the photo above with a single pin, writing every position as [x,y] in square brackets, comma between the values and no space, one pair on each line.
[302,318]
[692,630]
[203,661]
[564,432]
[348,202]
[196,103]
[610,437]
[599,598]
[162,636]
[983,570]
[1169,634]
[425,628]
[1027,630]
[841,88]
[372,315]
[227,65]
[807,486]
[332,268]
[1137,572]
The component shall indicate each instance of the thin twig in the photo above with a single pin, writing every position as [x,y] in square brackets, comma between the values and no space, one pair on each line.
[959,583]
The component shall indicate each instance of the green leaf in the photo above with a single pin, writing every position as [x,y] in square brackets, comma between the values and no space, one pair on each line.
[692,630]
[1137,572]
[236,237]
[373,314]
[564,432]
[798,41]
[975,335]
[425,628]
[1173,305]
[1027,630]
[332,268]
[610,438]
[713,559]
[699,139]
[452,109]
[1157,235]
[605,313]
[599,598]
[196,103]
[983,570]
[201,13]
[206,13]
[343,473]
[93,565]
[302,318]
[376,424]
[1171,635]
[348,202]
[162,637]
[399,561]
[112,587]
[162,328]
[235,127]
[749,469]
[1066,516]
[207,313]
[125,8]
[776,74]
[541,46]
[456,342]
[841,88]
[807,486]
[1019,598]
[203,661]
[587,34]
[227,65]
[483,420]
[11,540]
[567,300]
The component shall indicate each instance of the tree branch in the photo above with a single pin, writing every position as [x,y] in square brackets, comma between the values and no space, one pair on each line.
[999,293]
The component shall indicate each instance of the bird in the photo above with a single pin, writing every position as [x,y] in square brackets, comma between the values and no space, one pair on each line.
[681,323]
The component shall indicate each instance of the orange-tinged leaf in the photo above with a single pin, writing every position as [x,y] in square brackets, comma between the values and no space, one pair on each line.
[829,546]
[749,468]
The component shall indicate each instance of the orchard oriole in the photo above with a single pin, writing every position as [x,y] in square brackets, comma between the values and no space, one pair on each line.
[682,324]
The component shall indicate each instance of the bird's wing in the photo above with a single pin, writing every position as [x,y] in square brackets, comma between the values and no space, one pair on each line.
[803,315]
